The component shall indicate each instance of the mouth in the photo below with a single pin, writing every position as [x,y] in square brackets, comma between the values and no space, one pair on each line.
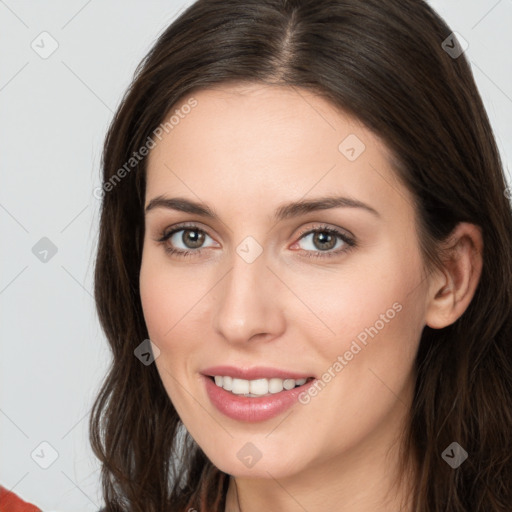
[256,399]
[257,387]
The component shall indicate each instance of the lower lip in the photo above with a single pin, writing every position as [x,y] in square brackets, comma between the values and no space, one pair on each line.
[243,408]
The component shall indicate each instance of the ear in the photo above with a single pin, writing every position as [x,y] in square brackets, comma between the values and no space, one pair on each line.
[452,289]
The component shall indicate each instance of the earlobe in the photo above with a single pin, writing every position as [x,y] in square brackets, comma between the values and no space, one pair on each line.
[453,288]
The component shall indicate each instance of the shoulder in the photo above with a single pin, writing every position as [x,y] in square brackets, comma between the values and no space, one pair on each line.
[11,502]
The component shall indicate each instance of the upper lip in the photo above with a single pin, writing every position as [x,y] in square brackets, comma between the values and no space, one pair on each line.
[256,372]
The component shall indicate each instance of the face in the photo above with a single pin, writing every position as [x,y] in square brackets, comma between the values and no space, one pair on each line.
[335,291]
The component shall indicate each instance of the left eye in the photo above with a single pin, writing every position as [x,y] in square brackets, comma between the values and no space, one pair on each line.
[322,240]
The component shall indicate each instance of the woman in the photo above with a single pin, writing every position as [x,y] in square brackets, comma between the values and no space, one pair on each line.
[305,228]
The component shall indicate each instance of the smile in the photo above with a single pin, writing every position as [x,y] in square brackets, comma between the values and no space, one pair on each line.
[254,400]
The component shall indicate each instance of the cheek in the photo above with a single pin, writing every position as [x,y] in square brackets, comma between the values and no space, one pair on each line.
[374,294]
[372,316]
[161,296]
[367,365]
[154,298]
[172,300]
[165,303]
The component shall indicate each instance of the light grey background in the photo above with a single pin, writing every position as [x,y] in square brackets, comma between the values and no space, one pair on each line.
[54,114]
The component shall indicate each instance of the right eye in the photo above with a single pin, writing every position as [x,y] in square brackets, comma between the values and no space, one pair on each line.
[191,238]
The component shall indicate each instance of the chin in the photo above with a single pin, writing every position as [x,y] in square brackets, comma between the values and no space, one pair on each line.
[254,459]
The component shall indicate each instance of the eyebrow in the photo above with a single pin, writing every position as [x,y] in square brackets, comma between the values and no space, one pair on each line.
[286,211]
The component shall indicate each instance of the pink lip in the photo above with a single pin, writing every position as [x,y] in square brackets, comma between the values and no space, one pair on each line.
[258,372]
[250,409]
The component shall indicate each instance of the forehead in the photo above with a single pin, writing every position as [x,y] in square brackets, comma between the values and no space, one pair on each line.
[259,140]
[257,114]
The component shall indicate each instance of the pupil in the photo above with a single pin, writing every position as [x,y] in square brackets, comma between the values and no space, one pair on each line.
[323,238]
[195,243]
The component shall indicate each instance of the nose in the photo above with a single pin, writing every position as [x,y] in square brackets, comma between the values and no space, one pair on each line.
[247,302]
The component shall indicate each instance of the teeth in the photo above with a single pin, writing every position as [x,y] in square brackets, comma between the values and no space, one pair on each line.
[227,383]
[240,387]
[258,387]
[275,385]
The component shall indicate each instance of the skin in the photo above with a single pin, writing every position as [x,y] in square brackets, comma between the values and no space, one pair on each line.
[245,150]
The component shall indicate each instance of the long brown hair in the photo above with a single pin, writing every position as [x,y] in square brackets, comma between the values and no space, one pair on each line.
[384,62]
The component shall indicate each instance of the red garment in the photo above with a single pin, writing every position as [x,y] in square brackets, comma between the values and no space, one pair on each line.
[10,502]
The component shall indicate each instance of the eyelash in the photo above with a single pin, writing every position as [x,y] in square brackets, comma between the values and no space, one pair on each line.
[350,242]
